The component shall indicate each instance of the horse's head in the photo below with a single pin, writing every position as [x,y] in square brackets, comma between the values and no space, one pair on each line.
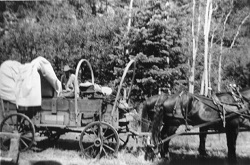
[149,109]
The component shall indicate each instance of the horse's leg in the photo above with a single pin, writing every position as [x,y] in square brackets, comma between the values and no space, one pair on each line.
[202,146]
[165,132]
[232,130]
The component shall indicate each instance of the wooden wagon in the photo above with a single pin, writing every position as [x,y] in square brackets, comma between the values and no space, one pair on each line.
[97,118]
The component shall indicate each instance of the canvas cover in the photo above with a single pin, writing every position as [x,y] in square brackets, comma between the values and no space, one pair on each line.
[21,83]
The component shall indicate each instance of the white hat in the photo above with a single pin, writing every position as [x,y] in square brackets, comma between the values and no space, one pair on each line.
[66,68]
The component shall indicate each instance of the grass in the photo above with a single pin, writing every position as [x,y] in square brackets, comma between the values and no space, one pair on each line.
[183,150]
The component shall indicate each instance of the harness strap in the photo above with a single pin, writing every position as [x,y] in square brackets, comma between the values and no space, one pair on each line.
[184,111]
[197,126]
[234,90]
[218,103]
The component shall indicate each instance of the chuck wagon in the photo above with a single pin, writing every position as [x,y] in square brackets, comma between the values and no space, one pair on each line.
[92,114]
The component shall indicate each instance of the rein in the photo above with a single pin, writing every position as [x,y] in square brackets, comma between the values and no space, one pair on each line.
[194,127]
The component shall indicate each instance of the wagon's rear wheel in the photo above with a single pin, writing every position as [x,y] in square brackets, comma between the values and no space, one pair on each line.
[99,139]
[18,123]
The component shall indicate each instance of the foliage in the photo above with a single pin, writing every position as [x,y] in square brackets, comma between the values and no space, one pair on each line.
[160,40]
[63,32]
[155,40]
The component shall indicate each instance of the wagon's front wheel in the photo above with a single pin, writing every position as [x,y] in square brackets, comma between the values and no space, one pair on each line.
[99,139]
[21,124]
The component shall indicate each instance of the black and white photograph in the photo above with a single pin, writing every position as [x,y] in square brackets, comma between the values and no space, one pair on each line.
[125,82]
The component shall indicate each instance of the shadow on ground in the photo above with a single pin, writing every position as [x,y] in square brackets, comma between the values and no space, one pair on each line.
[63,144]
[45,162]
[183,159]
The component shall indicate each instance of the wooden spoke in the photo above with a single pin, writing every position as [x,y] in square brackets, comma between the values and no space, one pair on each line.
[110,148]
[23,125]
[100,140]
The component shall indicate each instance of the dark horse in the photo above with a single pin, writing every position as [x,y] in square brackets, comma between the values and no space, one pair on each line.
[224,98]
[189,109]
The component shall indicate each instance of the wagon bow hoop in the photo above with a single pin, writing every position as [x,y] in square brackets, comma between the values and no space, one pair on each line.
[76,81]
[121,82]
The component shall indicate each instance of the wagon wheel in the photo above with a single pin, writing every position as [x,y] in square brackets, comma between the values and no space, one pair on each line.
[18,123]
[99,139]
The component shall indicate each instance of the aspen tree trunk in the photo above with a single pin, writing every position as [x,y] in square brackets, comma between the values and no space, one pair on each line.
[208,17]
[202,84]
[210,55]
[210,61]
[195,39]
[129,22]
[238,30]
[232,44]
[221,48]
[130,15]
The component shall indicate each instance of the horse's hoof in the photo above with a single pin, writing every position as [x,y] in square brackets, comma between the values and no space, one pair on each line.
[203,153]
[166,159]
[149,154]
[232,161]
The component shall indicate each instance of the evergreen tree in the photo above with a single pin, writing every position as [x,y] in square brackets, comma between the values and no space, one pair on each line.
[156,41]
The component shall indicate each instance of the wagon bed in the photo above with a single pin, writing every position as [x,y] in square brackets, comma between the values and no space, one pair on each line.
[88,113]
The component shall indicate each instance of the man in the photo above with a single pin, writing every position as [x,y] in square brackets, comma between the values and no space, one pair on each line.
[68,82]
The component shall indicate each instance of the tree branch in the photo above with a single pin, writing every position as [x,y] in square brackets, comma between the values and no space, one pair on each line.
[238,30]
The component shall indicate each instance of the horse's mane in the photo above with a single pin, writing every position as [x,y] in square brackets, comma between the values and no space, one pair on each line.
[148,106]
[158,117]
[159,113]
[157,124]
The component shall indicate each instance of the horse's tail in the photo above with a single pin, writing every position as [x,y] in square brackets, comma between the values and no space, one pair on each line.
[157,123]
[144,118]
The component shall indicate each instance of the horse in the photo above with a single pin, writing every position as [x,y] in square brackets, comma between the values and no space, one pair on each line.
[148,110]
[224,98]
[186,108]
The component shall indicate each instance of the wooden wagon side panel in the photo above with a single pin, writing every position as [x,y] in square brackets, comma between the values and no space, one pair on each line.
[109,118]
[54,111]
[89,110]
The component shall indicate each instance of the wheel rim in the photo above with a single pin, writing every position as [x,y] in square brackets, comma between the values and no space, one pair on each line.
[99,139]
[18,123]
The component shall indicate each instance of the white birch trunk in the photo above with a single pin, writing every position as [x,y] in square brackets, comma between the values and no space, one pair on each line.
[195,39]
[221,48]
[129,16]
[208,17]
[129,22]
[238,30]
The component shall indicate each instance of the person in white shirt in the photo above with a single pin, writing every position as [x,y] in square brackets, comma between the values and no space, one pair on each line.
[68,82]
